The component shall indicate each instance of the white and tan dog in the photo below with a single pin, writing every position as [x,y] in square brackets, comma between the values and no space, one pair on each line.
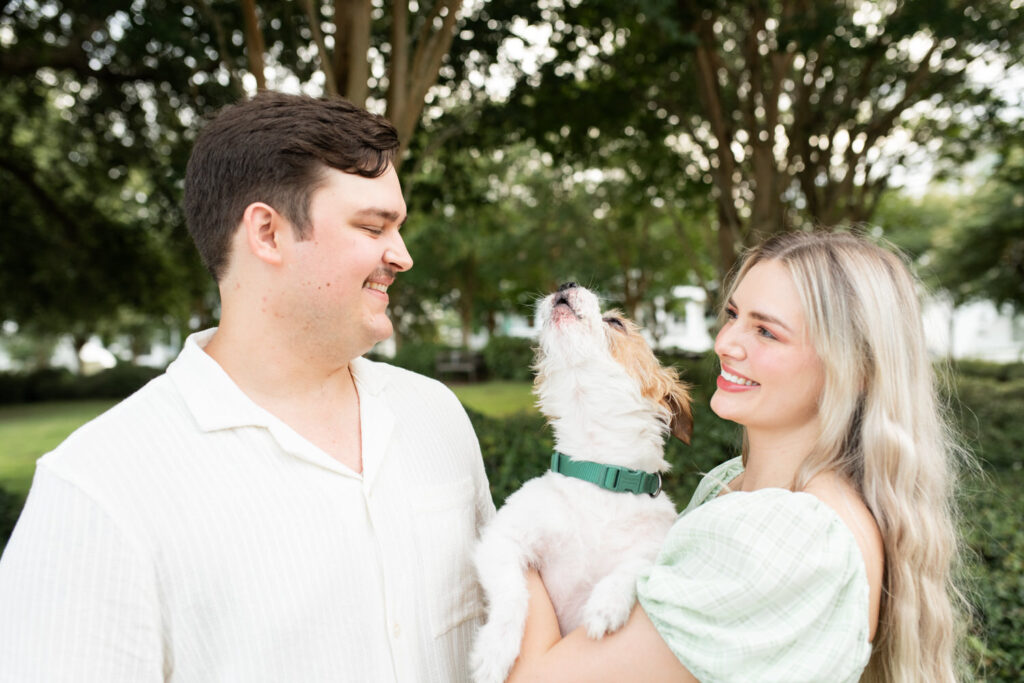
[610,403]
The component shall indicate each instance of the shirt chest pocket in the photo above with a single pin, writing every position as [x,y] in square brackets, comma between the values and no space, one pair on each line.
[445,519]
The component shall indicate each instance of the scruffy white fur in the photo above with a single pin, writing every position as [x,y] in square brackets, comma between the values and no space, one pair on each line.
[608,401]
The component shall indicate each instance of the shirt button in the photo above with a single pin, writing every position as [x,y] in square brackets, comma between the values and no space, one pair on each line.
[396,630]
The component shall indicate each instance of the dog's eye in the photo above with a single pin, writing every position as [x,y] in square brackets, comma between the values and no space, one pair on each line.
[616,323]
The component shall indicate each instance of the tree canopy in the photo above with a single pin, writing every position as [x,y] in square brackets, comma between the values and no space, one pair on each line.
[635,146]
[796,113]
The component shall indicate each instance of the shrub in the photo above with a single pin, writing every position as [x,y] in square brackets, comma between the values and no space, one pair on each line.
[714,441]
[51,384]
[1002,372]
[509,358]
[514,449]
[418,357]
[59,384]
[996,572]
[13,387]
[10,508]
[124,379]
[698,370]
[518,448]
[991,419]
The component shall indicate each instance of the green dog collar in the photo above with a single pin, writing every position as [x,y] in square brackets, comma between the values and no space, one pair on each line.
[611,477]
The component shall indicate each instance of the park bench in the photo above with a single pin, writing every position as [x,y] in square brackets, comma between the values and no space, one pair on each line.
[462,362]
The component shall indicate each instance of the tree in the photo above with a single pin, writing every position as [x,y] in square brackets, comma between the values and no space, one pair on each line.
[347,46]
[797,112]
[102,100]
[980,255]
[492,229]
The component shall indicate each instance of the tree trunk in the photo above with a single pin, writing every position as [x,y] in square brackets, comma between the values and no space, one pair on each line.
[79,341]
[326,63]
[409,79]
[254,47]
[357,46]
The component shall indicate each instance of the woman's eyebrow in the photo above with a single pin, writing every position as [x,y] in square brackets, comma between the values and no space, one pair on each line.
[764,317]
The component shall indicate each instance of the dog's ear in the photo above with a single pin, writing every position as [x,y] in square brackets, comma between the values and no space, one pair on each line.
[677,400]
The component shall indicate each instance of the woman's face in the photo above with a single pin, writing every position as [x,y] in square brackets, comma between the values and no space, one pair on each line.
[771,377]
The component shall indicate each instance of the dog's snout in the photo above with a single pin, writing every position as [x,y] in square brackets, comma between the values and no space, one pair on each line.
[567,285]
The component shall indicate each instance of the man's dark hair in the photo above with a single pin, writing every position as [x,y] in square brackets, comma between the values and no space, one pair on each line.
[274,148]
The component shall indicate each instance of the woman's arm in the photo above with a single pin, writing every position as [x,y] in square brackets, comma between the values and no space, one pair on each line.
[634,652]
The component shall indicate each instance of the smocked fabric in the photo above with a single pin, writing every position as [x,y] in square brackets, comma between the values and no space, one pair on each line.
[764,586]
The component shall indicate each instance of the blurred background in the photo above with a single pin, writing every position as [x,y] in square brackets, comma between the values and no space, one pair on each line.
[635,147]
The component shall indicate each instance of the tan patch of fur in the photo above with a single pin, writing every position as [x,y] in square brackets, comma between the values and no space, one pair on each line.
[657,382]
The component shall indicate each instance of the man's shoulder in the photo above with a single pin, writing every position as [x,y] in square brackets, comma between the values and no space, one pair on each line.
[418,400]
[394,376]
[149,415]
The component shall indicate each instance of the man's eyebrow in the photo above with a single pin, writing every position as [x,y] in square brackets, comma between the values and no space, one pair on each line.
[386,214]
[764,317]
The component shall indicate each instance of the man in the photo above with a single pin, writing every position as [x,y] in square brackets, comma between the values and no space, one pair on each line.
[274,507]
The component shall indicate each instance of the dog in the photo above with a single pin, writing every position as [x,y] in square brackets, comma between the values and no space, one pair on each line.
[609,403]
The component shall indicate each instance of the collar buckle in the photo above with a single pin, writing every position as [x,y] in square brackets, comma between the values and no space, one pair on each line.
[609,477]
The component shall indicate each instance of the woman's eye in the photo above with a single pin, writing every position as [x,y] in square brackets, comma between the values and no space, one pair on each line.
[373,230]
[730,313]
[764,332]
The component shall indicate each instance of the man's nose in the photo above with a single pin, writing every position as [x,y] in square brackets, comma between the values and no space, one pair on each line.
[397,255]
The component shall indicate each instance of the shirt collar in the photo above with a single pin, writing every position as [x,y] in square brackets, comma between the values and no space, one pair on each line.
[368,376]
[210,394]
[216,402]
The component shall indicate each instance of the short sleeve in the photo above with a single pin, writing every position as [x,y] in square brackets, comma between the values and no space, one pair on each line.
[766,585]
[77,603]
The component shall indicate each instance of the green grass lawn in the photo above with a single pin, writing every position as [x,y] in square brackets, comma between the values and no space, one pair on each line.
[28,431]
[496,399]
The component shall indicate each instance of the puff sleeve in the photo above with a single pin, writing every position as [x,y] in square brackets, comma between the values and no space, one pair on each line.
[767,585]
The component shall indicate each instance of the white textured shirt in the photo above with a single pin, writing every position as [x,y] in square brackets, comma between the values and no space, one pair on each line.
[189,535]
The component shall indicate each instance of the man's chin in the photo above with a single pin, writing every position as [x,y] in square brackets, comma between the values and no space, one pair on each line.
[381,334]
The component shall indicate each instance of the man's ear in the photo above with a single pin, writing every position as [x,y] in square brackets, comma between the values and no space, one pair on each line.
[264,229]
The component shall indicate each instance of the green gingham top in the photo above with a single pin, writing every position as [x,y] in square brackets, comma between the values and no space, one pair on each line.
[767,585]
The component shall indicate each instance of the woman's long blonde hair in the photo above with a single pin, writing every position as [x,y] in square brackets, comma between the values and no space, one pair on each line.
[884,430]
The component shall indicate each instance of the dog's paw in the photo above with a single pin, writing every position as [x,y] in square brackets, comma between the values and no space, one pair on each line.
[608,607]
[494,652]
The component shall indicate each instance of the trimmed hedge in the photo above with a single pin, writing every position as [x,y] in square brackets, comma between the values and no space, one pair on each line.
[518,448]
[58,384]
[991,420]
[10,508]
[1001,372]
[419,357]
[995,568]
[509,358]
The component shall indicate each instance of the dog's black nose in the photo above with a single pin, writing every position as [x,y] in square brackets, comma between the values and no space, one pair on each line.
[566,285]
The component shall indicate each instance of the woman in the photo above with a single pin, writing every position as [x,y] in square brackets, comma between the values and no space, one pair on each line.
[825,551]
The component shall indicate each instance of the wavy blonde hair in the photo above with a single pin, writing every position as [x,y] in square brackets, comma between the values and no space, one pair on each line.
[883,429]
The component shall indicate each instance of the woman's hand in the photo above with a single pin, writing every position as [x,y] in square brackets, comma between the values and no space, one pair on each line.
[634,652]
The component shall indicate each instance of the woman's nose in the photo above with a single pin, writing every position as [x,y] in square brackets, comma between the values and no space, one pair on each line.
[727,342]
